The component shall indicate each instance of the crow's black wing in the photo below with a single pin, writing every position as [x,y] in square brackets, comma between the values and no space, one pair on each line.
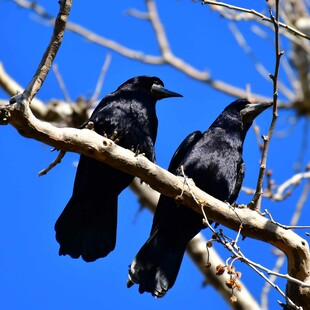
[183,149]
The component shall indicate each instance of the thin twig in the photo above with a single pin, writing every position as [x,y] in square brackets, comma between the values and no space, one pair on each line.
[11,87]
[61,83]
[138,14]
[91,144]
[167,58]
[258,65]
[293,181]
[281,257]
[260,15]
[50,52]
[256,201]
[284,226]
[232,247]
[196,250]
[272,278]
[34,6]
[238,234]
[57,161]
[101,78]
[291,303]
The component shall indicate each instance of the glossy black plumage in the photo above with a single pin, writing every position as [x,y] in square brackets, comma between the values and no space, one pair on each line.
[87,225]
[213,159]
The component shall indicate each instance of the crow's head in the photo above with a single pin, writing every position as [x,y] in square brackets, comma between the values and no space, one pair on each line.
[150,84]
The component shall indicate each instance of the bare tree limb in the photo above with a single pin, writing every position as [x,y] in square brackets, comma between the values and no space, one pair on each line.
[196,249]
[260,15]
[57,161]
[91,144]
[51,51]
[11,87]
[272,278]
[256,201]
[281,258]
[293,181]
[258,65]
[61,83]
[167,56]
[100,81]
[56,111]
[282,191]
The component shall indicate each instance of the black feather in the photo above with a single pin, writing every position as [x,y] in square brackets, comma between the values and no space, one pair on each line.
[87,226]
[214,161]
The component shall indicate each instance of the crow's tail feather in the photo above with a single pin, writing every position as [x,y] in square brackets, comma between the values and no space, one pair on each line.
[87,229]
[156,266]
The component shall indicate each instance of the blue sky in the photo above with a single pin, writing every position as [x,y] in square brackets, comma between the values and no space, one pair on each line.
[32,275]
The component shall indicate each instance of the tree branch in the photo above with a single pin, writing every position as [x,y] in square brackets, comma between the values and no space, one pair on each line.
[256,201]
[11,87]
[91,144]
[260,15]
[281,259]
[55,111]
[167,56]
[51,51]
[196,250]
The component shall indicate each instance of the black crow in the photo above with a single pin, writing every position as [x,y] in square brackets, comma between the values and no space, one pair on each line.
[213,160]
[87,225]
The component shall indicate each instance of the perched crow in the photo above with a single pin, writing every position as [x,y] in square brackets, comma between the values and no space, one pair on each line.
[87,225]
[213,159]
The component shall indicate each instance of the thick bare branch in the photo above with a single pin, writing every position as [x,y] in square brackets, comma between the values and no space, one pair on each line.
[281,259]
[91,144]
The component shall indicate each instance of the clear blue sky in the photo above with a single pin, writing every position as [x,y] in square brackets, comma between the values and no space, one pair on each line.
[32,275]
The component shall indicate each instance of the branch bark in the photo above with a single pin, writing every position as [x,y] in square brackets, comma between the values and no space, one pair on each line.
[55,111]
[93,145]
[50,52]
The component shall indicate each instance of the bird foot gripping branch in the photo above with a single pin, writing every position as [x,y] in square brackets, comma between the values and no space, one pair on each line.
[87,226]
[16,103]
[208,159]
[5,115]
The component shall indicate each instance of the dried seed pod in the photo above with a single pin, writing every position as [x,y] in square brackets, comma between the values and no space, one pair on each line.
[233,298]
[209,244]
[220,269]
[229,283]
[238,274]
[230,269]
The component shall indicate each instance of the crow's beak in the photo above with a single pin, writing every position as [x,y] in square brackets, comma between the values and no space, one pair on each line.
[160,92]
[251,110]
